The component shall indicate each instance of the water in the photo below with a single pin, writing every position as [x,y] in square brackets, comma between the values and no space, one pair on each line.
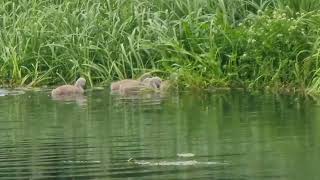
[186,136]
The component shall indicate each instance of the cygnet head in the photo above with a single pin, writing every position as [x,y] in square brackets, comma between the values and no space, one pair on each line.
[155,82]
[81,82]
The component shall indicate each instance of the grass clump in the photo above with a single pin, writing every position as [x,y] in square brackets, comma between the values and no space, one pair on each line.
[250,44]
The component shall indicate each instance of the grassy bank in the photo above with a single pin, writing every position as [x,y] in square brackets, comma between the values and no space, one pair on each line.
[235,43]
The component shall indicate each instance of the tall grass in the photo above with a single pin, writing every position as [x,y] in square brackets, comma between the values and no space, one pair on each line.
[251,43]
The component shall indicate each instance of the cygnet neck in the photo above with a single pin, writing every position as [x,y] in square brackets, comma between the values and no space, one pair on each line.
[80,83]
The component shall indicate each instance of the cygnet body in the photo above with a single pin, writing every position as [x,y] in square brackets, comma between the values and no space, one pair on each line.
[131,88]
[134,87]
[115,86]
[165,86]
[76,89]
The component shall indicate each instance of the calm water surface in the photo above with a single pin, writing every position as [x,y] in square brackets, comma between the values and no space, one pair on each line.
[186,136]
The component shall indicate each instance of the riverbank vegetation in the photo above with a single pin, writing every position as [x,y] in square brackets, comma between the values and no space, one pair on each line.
[208,43]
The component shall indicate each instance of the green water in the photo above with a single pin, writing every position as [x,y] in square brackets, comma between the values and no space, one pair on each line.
[231,136]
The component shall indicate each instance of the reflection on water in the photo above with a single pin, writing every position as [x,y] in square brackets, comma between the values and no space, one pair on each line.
[15,92]
[3,92]
[179,136]
[77,98]
[176,163]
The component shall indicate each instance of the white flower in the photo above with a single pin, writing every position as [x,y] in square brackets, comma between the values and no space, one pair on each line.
[293,27]
[279,35]
[251,40]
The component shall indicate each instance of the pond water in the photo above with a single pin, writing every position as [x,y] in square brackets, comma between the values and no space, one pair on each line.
[182,136]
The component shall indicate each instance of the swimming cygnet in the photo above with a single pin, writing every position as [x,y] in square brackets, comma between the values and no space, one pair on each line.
[136,87]
[76,89]
[115,86]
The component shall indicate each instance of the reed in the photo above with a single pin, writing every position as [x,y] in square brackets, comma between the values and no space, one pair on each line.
[252,44]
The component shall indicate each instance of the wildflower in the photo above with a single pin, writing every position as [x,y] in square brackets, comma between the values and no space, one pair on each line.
[259,11]
[251,30]
[292,27]
[279,35]
[251,40]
